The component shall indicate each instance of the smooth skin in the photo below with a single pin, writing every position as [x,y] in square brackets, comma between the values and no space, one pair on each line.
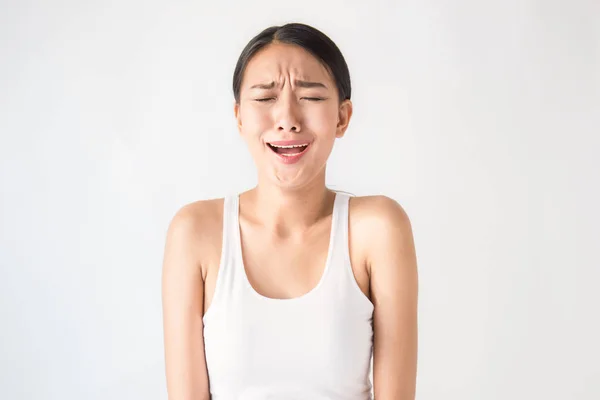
[291,209]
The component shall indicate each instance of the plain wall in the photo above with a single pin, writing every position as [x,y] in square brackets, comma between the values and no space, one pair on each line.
[481,118]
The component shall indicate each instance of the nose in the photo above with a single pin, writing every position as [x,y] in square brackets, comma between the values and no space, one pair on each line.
[287,118]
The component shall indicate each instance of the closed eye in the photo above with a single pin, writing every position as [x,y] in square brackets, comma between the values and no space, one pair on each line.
[266,99]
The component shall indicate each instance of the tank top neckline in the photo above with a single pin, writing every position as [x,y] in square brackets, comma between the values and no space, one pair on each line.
[242,267]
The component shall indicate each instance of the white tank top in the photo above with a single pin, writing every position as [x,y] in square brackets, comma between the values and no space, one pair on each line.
[317,346]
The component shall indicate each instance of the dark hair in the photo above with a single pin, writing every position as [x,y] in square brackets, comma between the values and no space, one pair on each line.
[305,36]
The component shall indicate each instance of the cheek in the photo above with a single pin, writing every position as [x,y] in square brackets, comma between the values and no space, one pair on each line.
[321,120]
[255,121]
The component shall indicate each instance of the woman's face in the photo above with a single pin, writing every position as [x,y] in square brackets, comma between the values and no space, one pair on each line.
[289,114]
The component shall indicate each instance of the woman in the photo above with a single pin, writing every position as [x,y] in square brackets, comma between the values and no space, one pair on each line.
[286,290]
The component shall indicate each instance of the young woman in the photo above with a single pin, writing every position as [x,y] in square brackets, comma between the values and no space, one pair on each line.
[287,290]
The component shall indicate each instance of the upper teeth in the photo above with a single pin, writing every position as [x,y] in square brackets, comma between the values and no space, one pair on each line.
[289,147]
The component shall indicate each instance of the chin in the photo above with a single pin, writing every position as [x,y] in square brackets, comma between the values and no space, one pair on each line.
[294,179]
[284,181]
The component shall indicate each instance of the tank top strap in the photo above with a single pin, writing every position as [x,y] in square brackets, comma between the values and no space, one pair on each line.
[341,281]
[229,220]
[339,260]
[226,280]
[231,260]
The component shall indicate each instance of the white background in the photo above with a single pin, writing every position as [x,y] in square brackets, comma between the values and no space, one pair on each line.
[480,117]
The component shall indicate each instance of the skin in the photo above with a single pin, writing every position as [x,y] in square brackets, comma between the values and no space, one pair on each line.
[290,209]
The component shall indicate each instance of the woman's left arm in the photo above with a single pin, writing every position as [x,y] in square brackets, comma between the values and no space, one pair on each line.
[394,293]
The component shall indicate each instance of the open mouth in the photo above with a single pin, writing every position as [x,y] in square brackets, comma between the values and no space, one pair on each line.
[288,150]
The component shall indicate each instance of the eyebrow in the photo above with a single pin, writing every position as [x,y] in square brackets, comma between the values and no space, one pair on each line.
[299,83]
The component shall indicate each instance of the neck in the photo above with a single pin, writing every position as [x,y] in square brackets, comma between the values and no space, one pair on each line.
[288,212]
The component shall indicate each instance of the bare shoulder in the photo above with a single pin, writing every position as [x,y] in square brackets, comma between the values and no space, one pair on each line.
[379,212]
[195,229]
[197,214]
[378,206]
[196,219]
[382,224]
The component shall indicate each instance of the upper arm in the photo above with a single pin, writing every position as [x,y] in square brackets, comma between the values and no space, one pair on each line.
[394,291]
[182,298]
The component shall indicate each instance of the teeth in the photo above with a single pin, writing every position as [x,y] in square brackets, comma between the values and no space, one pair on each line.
[290,147]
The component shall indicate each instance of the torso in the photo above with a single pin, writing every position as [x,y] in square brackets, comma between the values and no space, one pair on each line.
[308,333]
[286,316]
[304,259]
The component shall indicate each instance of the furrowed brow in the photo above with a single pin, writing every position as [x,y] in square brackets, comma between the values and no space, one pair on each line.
[270,85]
[308,85]
[299,83]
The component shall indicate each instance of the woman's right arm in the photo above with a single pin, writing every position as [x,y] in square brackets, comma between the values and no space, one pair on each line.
[183,303]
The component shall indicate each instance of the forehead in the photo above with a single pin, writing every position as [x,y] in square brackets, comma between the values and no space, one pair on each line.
[278,60]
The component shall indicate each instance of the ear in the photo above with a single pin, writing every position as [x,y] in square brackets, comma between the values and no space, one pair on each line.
[238,117]
[344,116]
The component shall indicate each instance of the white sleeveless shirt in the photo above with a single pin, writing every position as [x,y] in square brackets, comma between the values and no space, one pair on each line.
[314,347]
